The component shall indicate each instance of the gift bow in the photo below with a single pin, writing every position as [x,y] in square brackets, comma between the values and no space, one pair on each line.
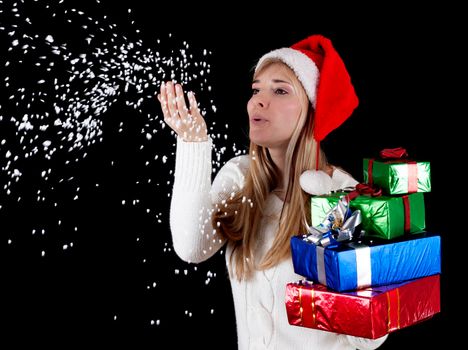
[338,226]
[364,189]
[393,153]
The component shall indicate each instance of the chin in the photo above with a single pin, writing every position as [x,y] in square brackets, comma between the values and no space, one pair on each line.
[259,141]
[269,143]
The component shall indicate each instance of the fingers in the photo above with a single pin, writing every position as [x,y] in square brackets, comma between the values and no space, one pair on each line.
[199,121]
[180,103]
[162,97]
[186,122]
[163,100]
[193,104]
[171,102]
[194,111]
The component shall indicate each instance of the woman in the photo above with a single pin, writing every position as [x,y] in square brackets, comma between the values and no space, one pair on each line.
[255,203]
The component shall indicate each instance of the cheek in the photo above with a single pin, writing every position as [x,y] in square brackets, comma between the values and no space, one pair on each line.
[291,112]
[250,105]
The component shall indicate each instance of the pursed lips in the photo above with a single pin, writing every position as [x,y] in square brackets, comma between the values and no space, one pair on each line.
[258,120]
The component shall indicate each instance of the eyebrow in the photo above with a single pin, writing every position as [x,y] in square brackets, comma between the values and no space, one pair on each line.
[274,80]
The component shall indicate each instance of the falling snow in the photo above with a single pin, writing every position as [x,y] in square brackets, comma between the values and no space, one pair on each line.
[68,105]
[53,118]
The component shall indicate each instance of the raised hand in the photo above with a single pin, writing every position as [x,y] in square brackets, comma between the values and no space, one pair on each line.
[187,123]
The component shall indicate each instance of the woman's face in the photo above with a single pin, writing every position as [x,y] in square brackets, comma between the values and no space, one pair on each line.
[275,106]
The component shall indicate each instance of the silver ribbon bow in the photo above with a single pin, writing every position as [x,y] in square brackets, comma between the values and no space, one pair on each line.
[338,226]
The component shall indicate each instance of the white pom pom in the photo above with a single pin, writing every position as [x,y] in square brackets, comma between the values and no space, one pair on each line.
[316,182]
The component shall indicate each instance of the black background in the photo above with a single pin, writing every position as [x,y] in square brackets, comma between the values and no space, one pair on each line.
[100,291]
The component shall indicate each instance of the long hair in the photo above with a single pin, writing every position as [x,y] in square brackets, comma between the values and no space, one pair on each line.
[239,220]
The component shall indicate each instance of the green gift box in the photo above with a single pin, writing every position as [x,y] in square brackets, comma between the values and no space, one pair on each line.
[382,217]
[398,176]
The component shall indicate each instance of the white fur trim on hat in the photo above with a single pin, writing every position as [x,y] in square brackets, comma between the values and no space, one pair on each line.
[315,182]
[304,68]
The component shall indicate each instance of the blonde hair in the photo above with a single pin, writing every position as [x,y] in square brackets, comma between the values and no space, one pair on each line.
[239,221]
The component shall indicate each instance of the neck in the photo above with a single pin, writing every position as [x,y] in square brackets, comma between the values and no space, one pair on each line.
[278,155]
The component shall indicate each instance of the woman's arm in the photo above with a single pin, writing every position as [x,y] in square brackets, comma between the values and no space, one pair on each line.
[193,236]
[195,199]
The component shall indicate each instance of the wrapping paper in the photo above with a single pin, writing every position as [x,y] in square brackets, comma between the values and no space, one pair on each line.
[355,265]
[382,217]
[369,313]
[398,176]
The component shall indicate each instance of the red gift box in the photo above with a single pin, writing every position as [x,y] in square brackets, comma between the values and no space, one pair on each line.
[368,313]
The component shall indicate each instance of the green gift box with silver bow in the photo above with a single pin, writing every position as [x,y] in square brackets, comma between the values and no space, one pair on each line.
[382,217]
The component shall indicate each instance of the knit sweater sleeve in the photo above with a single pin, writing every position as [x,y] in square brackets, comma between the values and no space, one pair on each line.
[194,200]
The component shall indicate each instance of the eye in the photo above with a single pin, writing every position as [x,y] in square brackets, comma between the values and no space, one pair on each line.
[254,91]
[280,91]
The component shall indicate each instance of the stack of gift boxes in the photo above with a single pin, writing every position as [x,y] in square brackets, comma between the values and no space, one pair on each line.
[387,279]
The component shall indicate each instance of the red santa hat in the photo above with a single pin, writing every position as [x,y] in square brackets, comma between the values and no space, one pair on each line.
[325,79]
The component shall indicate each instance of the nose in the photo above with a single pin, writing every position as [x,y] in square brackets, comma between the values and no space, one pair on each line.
[260,100]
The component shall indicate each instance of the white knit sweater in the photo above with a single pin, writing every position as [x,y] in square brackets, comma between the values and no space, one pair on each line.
[259,303]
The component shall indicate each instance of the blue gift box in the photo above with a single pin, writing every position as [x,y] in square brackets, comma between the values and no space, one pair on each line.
[353,265]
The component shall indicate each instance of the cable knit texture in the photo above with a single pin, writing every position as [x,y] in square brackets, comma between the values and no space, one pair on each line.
[259,305]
